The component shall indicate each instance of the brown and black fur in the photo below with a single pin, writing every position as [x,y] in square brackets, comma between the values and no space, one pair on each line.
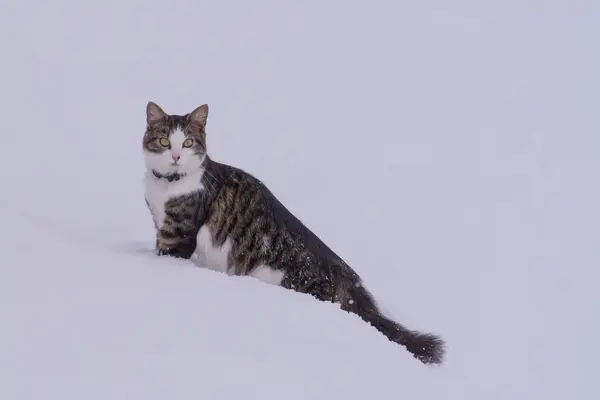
[238,207]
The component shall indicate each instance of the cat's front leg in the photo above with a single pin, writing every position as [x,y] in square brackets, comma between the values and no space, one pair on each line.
[177,235]
[170,244]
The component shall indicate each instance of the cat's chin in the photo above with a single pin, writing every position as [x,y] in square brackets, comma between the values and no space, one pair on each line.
[179,169]
[162,166]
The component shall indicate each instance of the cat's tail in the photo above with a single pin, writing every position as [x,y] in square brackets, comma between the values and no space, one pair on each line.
[355,298]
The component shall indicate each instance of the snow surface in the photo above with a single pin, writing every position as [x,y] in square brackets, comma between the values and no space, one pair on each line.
[448,151]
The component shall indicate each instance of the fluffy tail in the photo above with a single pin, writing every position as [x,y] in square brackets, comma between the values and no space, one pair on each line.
[355,298]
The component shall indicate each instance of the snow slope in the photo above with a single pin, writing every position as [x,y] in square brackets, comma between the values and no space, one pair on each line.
[448,152]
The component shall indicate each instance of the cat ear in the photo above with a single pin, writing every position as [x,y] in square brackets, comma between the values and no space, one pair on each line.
[154,113]
[200,114]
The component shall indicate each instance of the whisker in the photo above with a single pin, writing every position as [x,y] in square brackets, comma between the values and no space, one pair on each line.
[214,177]
[210,185]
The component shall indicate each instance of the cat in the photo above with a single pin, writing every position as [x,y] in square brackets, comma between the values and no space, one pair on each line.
[235,224]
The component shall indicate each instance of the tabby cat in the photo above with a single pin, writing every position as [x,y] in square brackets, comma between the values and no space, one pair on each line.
[233,223]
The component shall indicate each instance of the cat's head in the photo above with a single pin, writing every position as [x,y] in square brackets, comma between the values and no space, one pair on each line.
[175,143]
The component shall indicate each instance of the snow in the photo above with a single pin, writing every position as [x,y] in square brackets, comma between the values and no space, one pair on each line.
[447,151]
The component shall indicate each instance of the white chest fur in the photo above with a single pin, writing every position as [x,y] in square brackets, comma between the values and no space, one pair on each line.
[159,191]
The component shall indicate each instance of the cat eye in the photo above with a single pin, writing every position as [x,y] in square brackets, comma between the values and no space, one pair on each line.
[188,142]
[164,142]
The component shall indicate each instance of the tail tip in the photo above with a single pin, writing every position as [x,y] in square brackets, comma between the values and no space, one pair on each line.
[427,348]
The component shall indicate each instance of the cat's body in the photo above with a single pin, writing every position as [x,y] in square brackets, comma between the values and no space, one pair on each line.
[233,223]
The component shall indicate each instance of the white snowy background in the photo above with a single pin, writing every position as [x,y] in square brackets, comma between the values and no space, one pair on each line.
[448,151]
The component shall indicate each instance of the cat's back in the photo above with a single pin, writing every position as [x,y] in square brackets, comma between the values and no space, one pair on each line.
[243,192]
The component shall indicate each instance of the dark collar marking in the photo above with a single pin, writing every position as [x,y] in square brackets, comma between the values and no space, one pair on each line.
[175,176]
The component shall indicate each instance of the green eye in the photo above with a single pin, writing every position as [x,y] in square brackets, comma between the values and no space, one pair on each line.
[188,142]
[164,142]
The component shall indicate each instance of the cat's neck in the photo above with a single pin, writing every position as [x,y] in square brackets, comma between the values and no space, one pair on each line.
[175,176]
[169,177]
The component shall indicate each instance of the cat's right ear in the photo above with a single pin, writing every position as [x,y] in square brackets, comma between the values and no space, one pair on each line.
[200,114]
[154,113]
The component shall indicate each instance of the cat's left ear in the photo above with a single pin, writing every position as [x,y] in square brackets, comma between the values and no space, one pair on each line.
[154,113]
[200,114]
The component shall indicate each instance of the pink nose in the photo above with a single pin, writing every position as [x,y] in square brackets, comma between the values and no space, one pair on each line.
[175,157]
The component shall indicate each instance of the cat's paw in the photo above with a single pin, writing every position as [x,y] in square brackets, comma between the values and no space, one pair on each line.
[162,252]
[175,253]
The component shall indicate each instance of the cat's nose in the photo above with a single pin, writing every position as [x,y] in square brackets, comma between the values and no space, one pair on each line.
[175,157]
